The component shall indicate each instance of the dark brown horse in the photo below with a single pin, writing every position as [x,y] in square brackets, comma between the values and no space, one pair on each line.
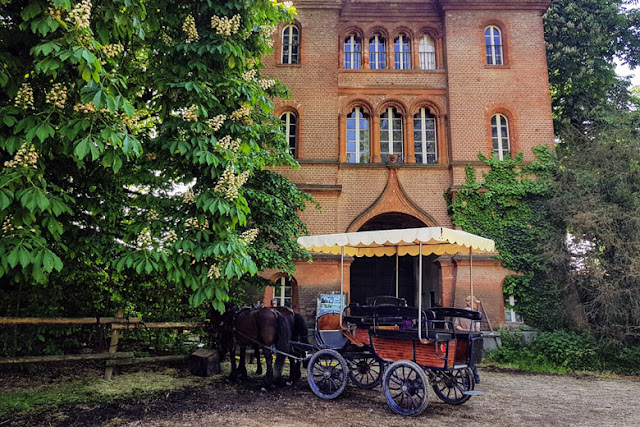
[264,327]
[300,333]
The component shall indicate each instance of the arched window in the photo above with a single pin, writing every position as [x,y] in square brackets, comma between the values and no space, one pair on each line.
[493,44]
[424,137]
[352,52]
[427,50]
[289,126]
[377,52]
[402,52]
[358,136]
[391,134]
[290,45]
[500,136]
[283,292]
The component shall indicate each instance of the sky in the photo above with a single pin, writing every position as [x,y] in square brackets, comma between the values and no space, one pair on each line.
[623,70]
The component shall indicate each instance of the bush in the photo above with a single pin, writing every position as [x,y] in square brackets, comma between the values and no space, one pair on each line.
[565,351]
[568,350]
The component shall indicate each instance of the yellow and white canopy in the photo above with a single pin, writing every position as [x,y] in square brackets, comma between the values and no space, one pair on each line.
[435,240]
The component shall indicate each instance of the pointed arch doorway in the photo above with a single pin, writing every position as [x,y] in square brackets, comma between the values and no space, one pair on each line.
[376,276]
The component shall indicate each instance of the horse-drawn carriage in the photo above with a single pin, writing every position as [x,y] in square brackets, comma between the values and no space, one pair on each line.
[408,349]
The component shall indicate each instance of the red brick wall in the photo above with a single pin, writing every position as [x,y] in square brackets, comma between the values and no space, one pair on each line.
[462,91]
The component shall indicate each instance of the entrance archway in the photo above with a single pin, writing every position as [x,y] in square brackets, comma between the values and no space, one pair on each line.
[376,276]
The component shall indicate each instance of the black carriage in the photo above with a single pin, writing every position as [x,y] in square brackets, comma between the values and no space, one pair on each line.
[408,349]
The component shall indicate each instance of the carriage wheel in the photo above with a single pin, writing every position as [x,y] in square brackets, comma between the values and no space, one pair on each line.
[366,371]
[405,387]
[450,386]
[327,374]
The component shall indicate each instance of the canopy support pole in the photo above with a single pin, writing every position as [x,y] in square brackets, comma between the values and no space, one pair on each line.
[397,293]
[420,296]
[471,273]
[341,281]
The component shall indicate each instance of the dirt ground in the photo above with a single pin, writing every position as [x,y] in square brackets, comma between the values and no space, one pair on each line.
[509,399]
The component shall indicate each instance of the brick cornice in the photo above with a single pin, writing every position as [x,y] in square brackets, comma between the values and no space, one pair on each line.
[538,5]
[320,188]
[318,4]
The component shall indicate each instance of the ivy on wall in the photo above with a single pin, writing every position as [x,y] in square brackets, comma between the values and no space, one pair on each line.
[508,207]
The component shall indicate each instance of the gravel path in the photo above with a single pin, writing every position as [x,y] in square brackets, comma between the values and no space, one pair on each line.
[510,399]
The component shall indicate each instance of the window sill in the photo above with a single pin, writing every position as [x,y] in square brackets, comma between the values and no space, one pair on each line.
[394,165]
[393,70]
[289,65]
[498,67]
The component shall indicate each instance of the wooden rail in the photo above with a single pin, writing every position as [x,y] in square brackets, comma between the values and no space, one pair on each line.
[64,358]
[67,320]
[112,357]
[159,325]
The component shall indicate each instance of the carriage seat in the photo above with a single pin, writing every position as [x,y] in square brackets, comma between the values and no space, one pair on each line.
[398,315]
[329,331]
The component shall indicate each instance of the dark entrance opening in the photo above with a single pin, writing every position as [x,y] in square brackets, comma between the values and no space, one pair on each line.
[376,276]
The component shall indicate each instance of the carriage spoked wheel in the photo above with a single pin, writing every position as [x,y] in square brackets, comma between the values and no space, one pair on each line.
[328,374]
[405,386]
[450,387]
[366,371]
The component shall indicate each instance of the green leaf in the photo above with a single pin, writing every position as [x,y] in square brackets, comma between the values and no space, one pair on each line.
[82,149]
[86,73]
[12,258]
[6,196]
[97,100]
[31,10]
[44,131]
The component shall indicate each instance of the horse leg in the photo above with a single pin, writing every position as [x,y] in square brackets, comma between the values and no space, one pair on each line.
[294,370]
[277,371]
[242,369]
[268,378]
[232,358]
[256,352]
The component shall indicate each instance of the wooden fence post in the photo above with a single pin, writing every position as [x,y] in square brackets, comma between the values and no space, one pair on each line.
[113,346]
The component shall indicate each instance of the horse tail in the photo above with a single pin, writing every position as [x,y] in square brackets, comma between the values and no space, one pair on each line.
[300,328]
[283,331]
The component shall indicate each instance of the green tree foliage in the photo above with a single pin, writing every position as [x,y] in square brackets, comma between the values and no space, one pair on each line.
[128,130]
[508,207]
[596,118]
[598,198]
[584,38]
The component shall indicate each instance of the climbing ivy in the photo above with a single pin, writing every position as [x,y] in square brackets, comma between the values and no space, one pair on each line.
[508,207]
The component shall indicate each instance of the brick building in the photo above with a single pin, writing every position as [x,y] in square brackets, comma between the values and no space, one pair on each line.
[390,101]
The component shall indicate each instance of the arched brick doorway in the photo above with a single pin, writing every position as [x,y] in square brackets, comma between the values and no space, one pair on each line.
[376,276]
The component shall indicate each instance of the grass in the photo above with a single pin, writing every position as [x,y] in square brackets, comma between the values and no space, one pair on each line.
[97,391]
[547,368]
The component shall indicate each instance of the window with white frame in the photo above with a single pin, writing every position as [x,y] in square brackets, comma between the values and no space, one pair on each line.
[377,53]
[289,123]
[427,50]
[493,44]
[352,53]
[510,315]
[391,134]
[283,292]
[402,52]
[424,137]
[500,136]
[290,45]
[358,136]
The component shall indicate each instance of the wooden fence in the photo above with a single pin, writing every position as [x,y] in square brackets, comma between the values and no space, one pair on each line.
[112,357]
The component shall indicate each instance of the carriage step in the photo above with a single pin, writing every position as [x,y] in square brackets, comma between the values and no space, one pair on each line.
[472,393]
